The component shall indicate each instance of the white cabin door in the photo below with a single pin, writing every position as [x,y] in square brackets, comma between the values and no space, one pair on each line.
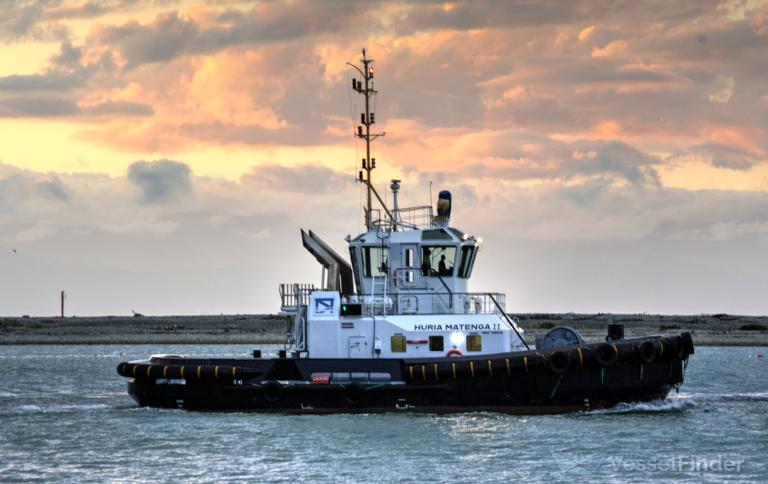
[358,347]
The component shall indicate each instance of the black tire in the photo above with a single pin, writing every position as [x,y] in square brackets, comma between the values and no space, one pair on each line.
[272,391]
[354,393]
[648,351]
[680,347]
[558,362]
[605,355]
[687,343]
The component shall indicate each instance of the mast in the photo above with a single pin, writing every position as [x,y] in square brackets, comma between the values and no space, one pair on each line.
[367,119]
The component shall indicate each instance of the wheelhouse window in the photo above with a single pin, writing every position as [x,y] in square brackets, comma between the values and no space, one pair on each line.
[408,264]
[438,260]
[375,261]
[467,261]
[355,269]
[397,343]
[474,342]
[436,343]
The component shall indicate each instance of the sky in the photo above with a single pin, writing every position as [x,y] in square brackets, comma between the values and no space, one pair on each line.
[161,156]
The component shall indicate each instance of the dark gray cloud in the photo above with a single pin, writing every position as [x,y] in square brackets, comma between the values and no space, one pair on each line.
[160,181]
[19,19]
[48,81]
[124,108]
[27,187]
[479,14]
[614,158]
[170,35]
[22,19]
[725,156]
[307,178]
[53,189]
[36,107]
[61,106]
[504,155]
[83,10]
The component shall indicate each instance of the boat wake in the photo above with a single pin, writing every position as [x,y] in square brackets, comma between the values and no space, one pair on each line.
[682,402]
[671,404]
[61,408]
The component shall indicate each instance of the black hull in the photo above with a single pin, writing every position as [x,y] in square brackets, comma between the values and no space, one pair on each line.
[556,381]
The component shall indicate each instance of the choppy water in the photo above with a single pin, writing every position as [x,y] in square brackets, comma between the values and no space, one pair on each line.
[65,416]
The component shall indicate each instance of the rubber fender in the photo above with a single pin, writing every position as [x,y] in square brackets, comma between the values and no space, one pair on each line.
[627,352]
[558,362]
[648,351]
[272,391]
[605,354]
[354,393]
[688,343]
[172,372]
[122,370]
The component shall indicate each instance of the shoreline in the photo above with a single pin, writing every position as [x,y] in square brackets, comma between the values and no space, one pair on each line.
[707,330]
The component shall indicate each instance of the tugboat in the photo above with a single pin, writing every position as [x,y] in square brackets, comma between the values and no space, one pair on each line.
[395,328]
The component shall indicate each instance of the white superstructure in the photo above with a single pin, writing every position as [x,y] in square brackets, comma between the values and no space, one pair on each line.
[404,291]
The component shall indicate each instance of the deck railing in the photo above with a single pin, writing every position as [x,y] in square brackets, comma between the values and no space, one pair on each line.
[292,296]
[432,302]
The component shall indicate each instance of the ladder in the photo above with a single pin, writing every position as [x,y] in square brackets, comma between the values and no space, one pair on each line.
[379,285]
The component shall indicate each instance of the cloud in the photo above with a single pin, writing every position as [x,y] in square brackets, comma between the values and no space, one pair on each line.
[307,179]
[24,190]
[724,156]
[19,19]
[53,189]
[724,90]
[36,107]
[171,35]
[49,81]
[614,158]
[125,108]
[160,181]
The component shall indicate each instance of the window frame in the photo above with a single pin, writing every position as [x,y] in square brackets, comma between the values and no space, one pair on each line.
[435,338]
[383,258]
[392,346]
[471,346]
[426,261]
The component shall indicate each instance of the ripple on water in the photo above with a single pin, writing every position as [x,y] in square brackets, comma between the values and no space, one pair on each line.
[82,426]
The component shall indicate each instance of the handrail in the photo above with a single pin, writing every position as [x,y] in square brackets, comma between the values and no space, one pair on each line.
[511,324]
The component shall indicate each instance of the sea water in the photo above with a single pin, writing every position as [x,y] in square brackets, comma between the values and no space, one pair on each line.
[65,416]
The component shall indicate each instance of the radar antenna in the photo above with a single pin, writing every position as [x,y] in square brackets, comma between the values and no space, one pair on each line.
[367,119]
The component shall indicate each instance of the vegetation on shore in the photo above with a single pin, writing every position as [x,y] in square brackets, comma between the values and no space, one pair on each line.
[712,329]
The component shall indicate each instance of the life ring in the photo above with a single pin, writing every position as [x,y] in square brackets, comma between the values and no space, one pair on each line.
[606,354]
[558,362]
[454,352]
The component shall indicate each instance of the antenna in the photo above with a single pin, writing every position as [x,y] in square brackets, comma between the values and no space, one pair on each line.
[364,132]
